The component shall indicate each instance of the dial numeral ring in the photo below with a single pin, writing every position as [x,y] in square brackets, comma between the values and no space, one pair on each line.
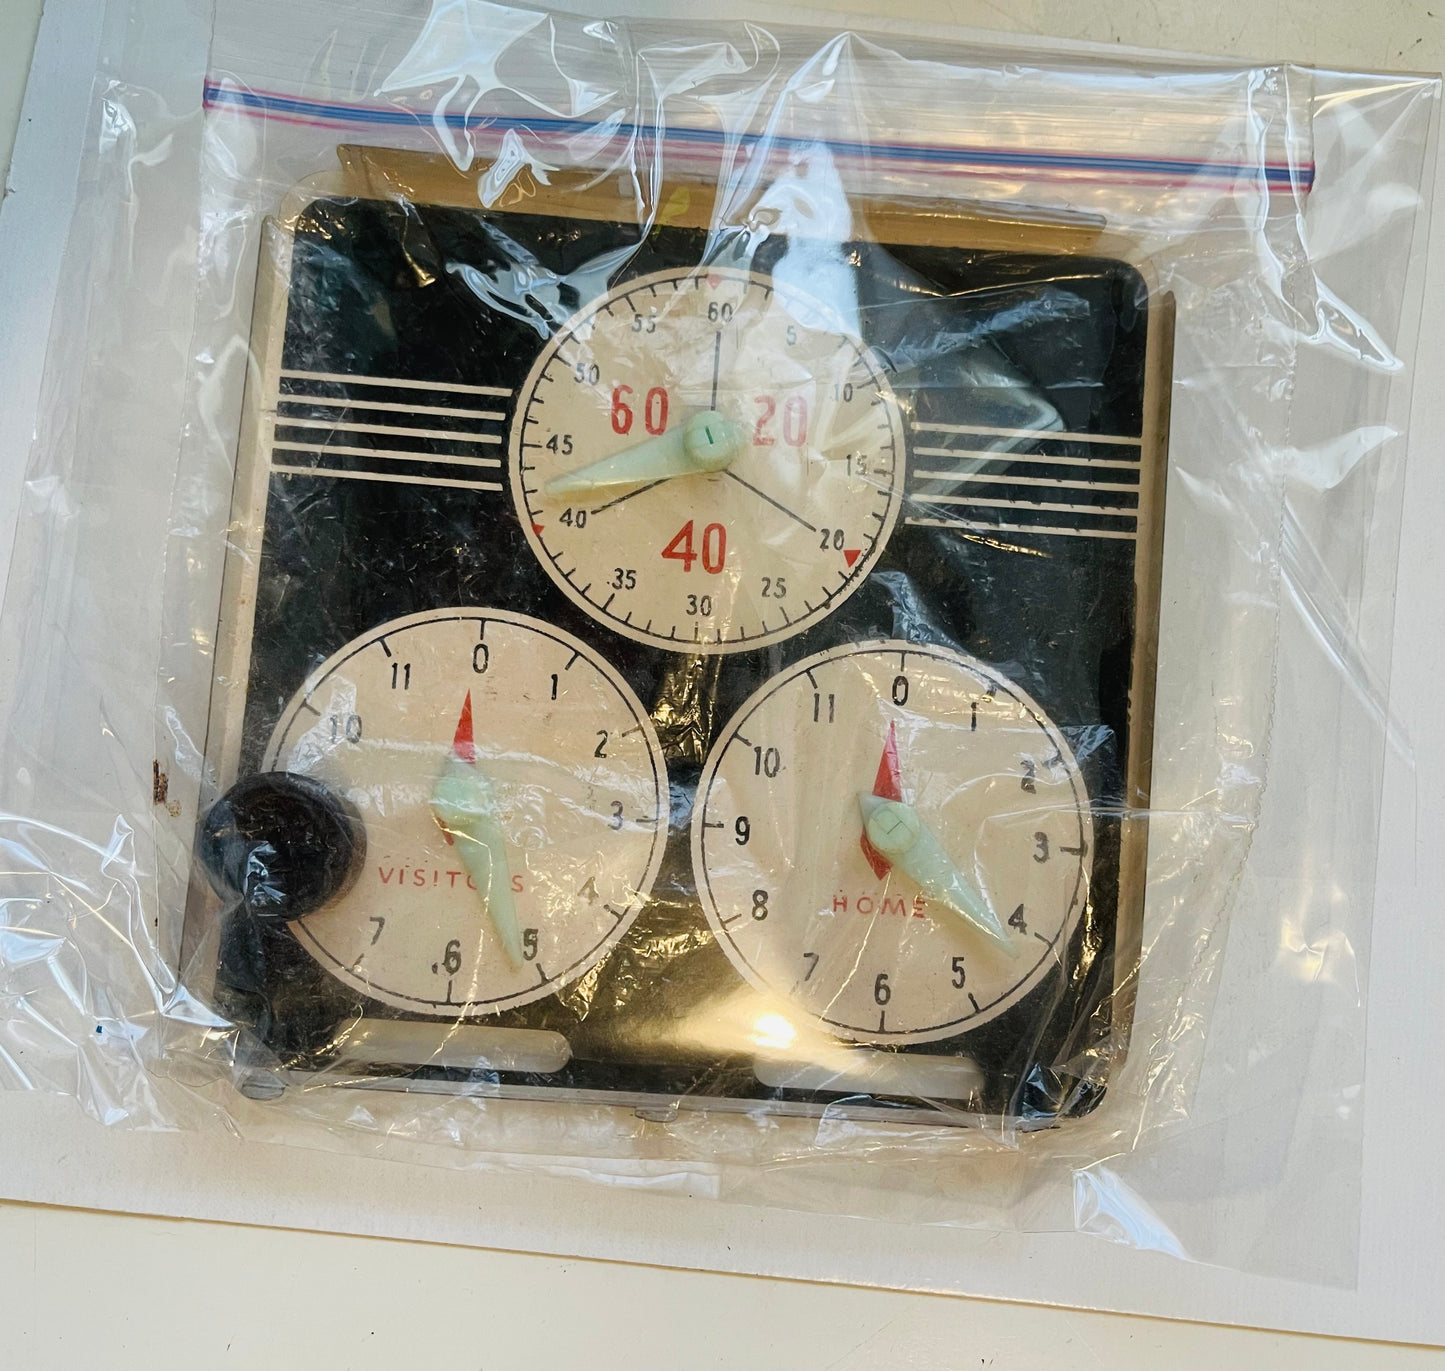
[706,460]
[514,795]
[975,795]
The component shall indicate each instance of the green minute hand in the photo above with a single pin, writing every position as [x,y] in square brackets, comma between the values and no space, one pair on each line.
[466,809]
[898,834]
[705,443]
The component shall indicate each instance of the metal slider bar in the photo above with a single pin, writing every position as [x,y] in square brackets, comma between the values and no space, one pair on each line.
[1057,434]
[393,382]
[1028,458]
[1048,483]
[1021,528]
[333,402]
[1027,506]
[394,479]
[445,435]
[387,454]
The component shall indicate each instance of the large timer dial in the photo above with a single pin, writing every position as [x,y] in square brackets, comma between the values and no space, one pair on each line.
[892,841]
[706,460]
[514,798]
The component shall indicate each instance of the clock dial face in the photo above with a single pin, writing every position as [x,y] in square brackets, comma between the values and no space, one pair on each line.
[711,560]
[551,771]
[810,912]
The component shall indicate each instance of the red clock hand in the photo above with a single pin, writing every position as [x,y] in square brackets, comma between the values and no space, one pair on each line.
[463,744]
[887,785]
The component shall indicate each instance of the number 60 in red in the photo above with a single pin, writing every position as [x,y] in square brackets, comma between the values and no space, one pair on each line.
[654,410]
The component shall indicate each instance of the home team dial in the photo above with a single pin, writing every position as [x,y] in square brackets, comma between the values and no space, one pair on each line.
[893,840]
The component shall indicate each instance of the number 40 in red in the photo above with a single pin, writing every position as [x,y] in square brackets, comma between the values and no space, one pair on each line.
[714,548]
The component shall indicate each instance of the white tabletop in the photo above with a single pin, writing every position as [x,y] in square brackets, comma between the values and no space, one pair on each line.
[88,1288]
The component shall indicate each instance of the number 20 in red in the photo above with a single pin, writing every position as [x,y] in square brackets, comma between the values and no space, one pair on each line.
[795,421]
[714,548]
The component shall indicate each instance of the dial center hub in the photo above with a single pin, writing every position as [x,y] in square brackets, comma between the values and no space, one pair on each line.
[892,826]
[712,442]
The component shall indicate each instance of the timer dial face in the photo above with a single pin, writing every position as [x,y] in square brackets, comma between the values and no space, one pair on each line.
[710,561]
[806,913]
[566,761]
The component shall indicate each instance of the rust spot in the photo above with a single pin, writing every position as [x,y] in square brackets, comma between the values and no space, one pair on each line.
[160,784]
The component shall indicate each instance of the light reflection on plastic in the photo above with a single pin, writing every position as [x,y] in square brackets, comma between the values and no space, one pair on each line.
[748,1021]
[1319,955]
[772,1032]
[1106,1205]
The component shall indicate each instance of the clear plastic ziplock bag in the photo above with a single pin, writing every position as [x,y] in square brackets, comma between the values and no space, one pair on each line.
[707,605]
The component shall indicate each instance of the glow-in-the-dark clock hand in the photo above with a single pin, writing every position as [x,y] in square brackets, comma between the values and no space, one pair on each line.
[466,809]
[897,834]
[705,444]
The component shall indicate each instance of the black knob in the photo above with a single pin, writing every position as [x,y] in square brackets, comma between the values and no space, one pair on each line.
[282,844]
